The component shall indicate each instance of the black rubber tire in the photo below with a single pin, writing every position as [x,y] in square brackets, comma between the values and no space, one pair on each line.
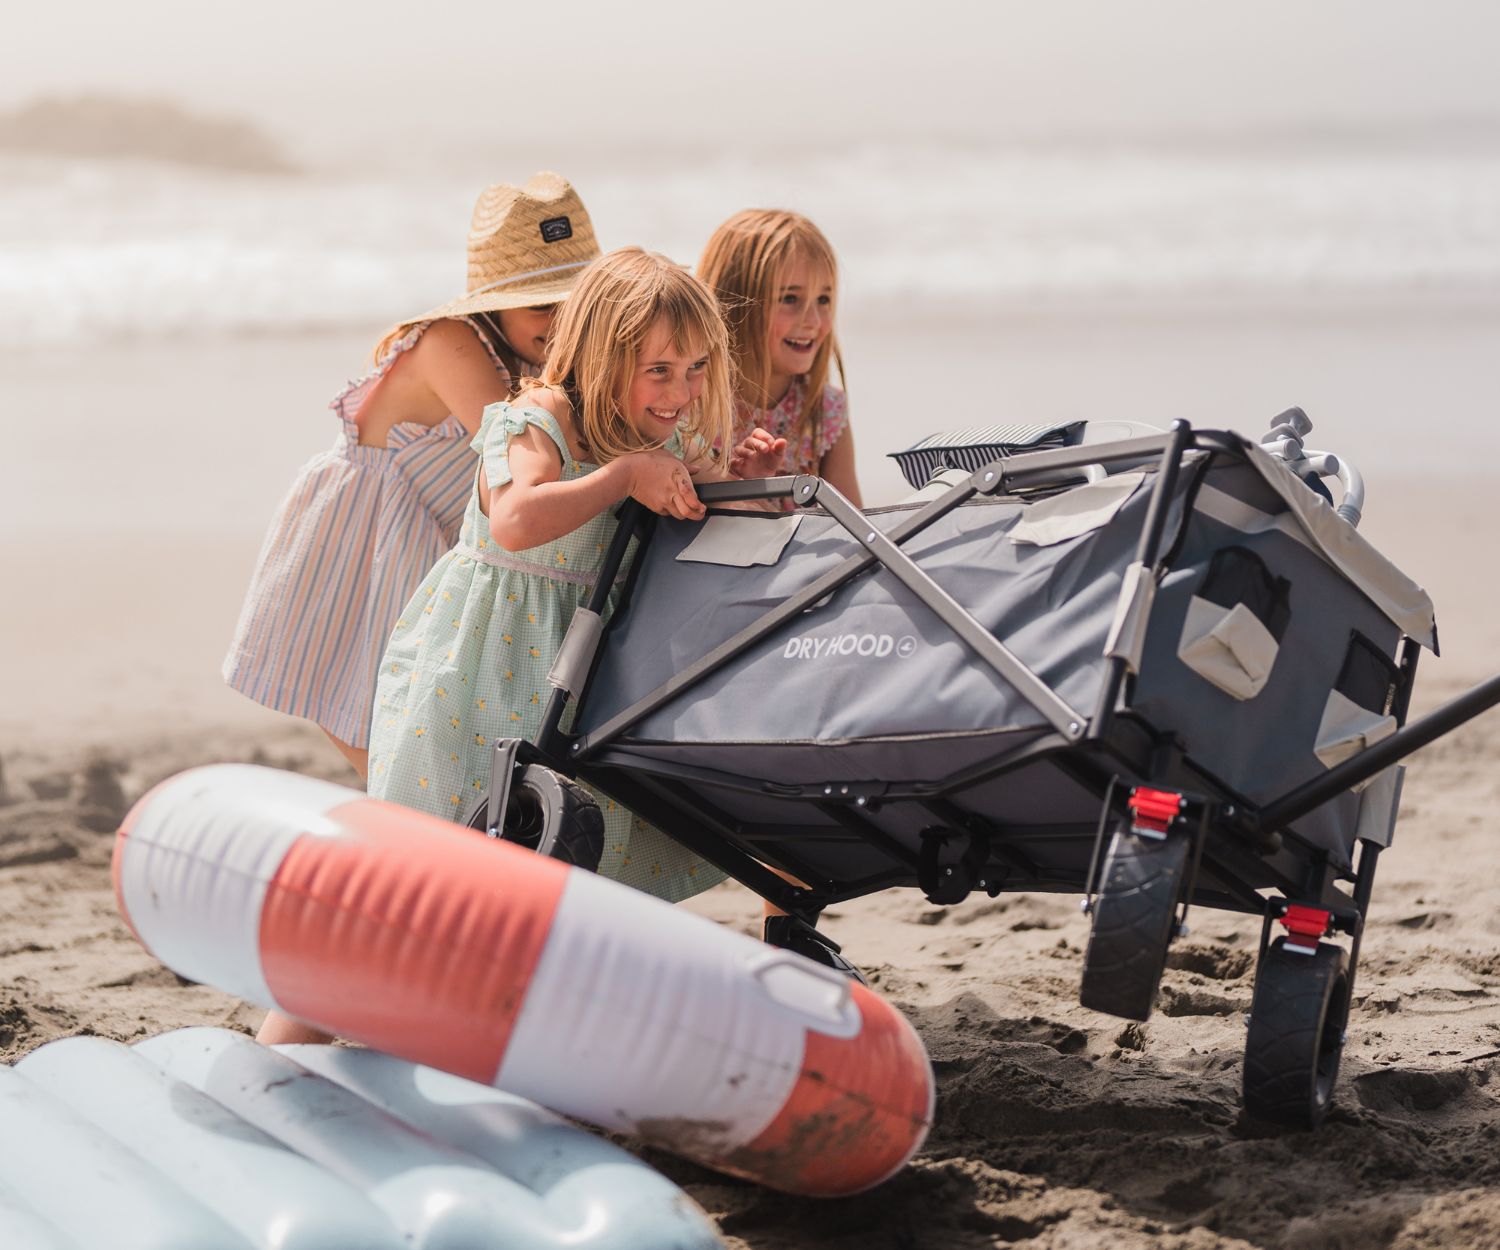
[550,815]
[1296,1035]
[1134,914]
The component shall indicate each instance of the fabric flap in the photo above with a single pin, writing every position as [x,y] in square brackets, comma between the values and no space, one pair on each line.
[1127,632]
[1074,512]
[576,655]
[1347,729]
[1228,647]
[1378,805]
[740,541]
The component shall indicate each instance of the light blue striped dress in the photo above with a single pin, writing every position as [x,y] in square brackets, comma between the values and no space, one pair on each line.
[351,541]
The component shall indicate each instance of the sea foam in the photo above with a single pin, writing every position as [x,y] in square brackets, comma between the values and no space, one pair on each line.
[100,249]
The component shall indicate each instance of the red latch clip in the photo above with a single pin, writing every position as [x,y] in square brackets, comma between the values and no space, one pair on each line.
[1304,926]
[1153,811]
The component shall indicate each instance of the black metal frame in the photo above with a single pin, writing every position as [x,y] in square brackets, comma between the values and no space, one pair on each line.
[1107,753]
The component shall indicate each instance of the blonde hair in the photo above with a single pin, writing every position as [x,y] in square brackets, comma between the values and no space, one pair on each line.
[598,336]
[745,262]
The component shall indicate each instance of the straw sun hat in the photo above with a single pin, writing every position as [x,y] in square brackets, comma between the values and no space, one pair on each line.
[527,246]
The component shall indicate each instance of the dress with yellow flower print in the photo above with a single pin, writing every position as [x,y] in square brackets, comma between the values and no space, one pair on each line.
[467,663]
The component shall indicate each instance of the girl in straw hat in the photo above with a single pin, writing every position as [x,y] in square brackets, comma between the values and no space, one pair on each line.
[366,519]
[635,391]
[777,279]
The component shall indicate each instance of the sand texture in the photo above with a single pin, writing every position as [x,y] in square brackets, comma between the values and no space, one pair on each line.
[1056,1127]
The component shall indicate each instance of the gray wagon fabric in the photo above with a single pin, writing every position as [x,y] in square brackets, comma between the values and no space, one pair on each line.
[870,686]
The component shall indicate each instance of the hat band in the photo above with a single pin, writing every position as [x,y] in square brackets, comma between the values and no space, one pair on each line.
[533,273]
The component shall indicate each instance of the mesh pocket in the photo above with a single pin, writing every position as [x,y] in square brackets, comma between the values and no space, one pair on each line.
[1358,712]
[1237,575]
[1235,623]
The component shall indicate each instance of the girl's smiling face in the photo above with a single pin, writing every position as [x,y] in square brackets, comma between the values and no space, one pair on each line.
[800,320]
[666,382]
[526,330]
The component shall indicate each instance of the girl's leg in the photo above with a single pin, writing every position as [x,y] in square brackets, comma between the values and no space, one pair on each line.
[277,1028]
[358,757]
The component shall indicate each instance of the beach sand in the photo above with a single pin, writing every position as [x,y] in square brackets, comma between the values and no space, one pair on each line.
[133,528]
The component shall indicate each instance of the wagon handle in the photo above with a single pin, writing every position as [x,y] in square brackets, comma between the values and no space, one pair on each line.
[1284,441]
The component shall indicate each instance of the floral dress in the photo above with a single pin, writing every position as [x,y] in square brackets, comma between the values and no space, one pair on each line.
[352,538]
[805,453]
[468,660]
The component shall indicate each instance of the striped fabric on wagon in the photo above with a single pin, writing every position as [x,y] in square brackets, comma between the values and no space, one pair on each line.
[976,446]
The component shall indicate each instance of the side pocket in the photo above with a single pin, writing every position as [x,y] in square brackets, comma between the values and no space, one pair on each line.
[1357,714]
[1235,623]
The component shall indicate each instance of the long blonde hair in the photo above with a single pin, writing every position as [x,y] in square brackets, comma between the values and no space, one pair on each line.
[744,262]
[598,336]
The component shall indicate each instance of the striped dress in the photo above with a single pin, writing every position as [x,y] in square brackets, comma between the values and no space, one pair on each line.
[353,538]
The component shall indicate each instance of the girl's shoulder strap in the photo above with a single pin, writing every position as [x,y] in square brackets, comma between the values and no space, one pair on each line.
[352,396]
[503,421]
[488,343]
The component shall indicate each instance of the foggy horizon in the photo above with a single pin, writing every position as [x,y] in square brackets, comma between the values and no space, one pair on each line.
[463,86]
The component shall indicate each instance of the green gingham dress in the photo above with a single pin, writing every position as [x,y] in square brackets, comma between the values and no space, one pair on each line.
[468,659]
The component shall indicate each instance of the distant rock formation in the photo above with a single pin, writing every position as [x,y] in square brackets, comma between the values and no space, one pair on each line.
[155,129]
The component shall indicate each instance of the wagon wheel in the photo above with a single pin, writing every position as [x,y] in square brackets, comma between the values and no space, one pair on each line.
[1133,919]
[1296,1036]
[550,815]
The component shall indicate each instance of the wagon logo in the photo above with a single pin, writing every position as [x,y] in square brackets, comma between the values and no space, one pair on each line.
[870,646]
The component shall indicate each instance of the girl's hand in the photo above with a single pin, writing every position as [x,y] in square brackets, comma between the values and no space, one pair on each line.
[759,455]
[661,482]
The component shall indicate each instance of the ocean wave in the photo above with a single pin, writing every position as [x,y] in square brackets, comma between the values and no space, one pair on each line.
[111,249]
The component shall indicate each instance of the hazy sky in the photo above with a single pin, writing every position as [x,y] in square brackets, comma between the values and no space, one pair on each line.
[334,77]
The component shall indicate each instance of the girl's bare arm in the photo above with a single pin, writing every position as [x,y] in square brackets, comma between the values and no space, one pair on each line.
[447,371]
[460,372]
[537,507]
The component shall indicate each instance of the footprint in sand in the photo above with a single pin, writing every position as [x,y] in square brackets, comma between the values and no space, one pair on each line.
[37,833]
[1396,1090]
[1172,1001]
[1220,963]
[156,975]
[1424,920]
[51,786]
[101,798]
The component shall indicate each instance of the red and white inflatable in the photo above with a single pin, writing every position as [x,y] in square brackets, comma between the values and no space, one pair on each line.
[434,944]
